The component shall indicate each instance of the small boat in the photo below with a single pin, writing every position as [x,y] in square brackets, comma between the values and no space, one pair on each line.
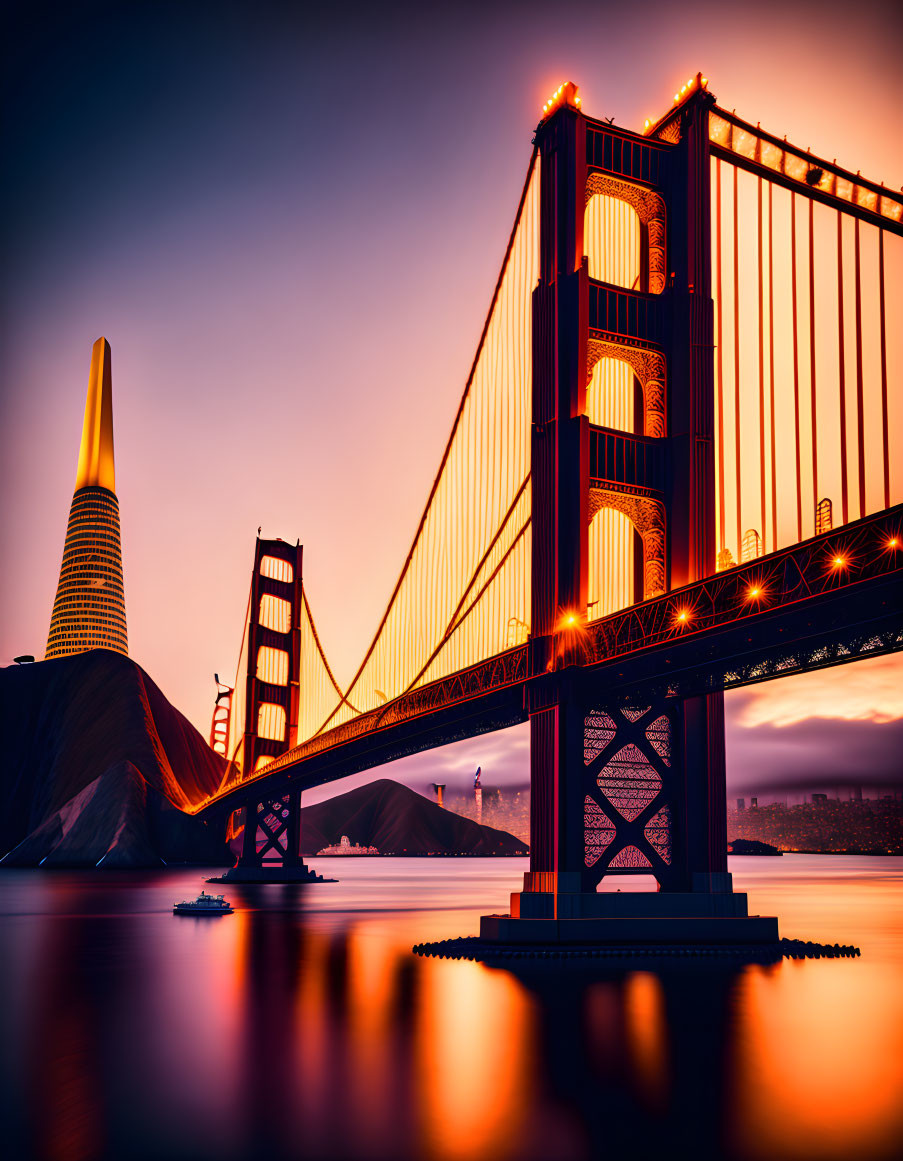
[204,905]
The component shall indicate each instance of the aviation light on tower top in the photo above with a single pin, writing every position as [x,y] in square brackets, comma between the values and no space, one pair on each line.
[564,95]
[693,85]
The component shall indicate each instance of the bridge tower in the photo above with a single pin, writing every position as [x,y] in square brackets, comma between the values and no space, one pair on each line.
[620,788]
[271,839]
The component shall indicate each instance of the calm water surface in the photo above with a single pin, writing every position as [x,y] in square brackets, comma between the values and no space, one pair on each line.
[303,1027]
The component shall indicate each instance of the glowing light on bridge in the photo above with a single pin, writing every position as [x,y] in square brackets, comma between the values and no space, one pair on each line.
[564,95]
[693,85]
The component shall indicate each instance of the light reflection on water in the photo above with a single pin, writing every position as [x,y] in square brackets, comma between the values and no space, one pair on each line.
[302,1026]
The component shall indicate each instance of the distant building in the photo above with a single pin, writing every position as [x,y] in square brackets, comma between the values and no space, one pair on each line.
[819,798]
[89,610]
[439,788]
[741,804]
[753,802]
[829,825]
[346,847]
[508,811]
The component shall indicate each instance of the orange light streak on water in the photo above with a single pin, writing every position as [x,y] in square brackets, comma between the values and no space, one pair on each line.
[647,1035]
[372,970]
[821,1050]
[816,1050]
[472,1062]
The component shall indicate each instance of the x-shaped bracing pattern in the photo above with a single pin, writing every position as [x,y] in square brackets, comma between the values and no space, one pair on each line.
[628,792]
[273,819]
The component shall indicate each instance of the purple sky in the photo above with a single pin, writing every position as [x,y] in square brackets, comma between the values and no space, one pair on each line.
[288,222]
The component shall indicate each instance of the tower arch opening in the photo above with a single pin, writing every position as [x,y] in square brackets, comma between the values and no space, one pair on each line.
[612,235]
[614,396]
[648,367]
[624,234]
[625,551]
[612,555]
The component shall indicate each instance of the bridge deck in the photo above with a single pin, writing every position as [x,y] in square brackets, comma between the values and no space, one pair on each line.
[831,599]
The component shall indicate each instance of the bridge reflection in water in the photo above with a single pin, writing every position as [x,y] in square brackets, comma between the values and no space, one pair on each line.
[302,1027]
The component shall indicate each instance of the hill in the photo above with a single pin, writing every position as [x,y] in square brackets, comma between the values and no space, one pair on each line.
[96,766]
[398,821]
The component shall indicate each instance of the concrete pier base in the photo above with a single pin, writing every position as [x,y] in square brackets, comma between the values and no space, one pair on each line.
[712,914]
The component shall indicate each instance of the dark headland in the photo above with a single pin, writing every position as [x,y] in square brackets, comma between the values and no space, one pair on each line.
[97,769]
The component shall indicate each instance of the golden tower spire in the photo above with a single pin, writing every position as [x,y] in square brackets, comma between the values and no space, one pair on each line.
[89,610]
[95,456]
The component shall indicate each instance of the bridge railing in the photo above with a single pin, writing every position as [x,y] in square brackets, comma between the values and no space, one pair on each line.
[869,548]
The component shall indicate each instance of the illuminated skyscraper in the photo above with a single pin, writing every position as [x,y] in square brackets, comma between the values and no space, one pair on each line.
[89,610]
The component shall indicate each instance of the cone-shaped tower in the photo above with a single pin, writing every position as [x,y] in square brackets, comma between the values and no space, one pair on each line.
[89,610]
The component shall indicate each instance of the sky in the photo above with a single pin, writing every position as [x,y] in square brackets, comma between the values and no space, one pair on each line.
[288,220]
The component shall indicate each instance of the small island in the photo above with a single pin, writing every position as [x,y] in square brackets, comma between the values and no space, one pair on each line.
[751,847]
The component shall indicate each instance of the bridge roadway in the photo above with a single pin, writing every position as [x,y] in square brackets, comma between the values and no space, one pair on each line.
[832,599]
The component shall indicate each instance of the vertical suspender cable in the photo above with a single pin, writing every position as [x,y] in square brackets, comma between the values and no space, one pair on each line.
[774,475]
[860,405]
[796,366]
[719,354]
[737,365]
[814,405]
[761,354]
[883,334]
[844,499]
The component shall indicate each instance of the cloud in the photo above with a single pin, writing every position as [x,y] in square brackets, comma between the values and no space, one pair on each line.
[817,753]
[860,691]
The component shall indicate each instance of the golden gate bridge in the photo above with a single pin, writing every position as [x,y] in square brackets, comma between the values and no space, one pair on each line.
[670,474]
